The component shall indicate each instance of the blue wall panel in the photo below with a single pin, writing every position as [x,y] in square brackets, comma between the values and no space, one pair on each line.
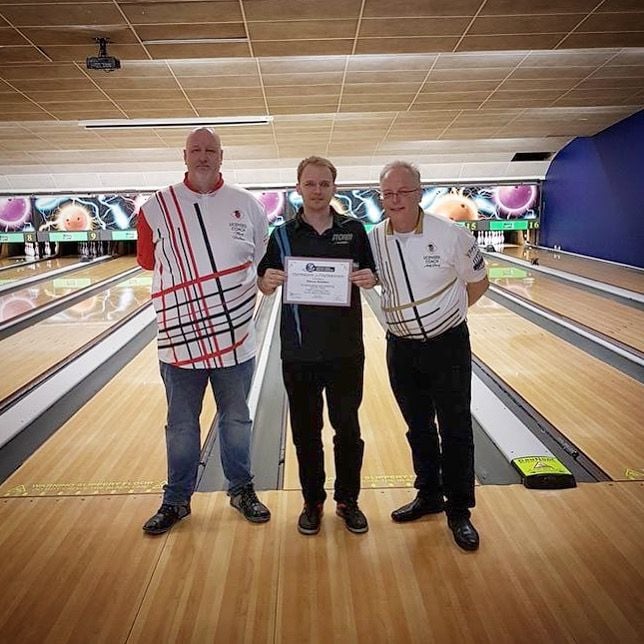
[593,195]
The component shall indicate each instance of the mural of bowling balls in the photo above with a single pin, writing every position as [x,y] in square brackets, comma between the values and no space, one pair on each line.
[273,203]
[15,212]
[73,217]
[515,200]
[455,207]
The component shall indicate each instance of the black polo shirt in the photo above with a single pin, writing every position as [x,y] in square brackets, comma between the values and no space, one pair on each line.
[327,332]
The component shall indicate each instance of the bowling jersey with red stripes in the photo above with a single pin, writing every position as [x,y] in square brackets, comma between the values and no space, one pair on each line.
[424,274]
[206,248]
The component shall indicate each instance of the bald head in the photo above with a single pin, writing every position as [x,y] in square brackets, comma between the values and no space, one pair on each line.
[203,156]
[205,133]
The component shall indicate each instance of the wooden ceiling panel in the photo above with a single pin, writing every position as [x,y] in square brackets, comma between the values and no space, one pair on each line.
[301,29]
[172,51]
[20,55]
[303,47]
[527,7]
[520,42]
[417,8]
[213,67]
[403,27]
[227,92]
[324,78]
[81,36]
[408,45]
[624,39]
[191,31]
[500,26]
[271,10]
[62,14]
[10,37]
[145,13]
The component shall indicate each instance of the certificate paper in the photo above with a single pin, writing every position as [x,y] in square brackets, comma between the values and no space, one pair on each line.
[317,280]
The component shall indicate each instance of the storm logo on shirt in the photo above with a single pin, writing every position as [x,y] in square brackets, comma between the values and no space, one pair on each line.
[431,258]
[341,238]
[237,214]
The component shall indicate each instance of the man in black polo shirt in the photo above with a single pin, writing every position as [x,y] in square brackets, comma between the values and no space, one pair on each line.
[322,346]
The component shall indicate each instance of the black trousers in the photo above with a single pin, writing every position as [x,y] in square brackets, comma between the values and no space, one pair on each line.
[431,381]
[342,380]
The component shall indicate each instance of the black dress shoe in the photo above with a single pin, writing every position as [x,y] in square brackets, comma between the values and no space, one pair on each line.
[419,507]
[165,518]
[465,533]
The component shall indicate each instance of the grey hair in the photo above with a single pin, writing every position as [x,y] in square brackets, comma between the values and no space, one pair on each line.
[410,167]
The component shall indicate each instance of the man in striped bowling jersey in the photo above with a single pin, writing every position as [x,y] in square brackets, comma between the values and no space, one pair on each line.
[203,239]
[430,271]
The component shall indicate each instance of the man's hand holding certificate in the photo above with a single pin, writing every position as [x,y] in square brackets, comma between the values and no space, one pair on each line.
[318,280]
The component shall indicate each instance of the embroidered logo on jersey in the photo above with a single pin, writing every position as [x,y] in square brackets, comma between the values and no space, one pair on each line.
[237,228]
[341,238]
[431,258]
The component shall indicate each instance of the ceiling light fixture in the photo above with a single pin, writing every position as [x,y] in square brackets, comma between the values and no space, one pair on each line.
[131,124]
[193,41]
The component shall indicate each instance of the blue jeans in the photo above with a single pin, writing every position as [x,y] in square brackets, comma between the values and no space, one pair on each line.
[185,389]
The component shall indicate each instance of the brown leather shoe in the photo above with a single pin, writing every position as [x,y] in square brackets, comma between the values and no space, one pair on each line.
[419,507]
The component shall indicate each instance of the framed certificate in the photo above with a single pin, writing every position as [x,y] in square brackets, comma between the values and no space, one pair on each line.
[317,280]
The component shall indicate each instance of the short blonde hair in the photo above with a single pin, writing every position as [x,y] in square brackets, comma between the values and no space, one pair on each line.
[321,161]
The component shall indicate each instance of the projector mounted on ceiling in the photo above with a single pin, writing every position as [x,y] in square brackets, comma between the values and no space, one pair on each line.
[103,61]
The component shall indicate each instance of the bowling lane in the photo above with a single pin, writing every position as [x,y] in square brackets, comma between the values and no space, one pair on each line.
[595,406]
[614,319]
[15,261]
[24,270]
[387,462]
[28,298]
[113,445]
[37,348]
[621,276]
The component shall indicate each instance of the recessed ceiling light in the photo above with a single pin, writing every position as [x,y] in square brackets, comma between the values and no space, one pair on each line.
[130,124]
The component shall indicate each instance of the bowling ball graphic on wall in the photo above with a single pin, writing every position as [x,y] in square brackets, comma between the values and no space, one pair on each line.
[15,212]
[71,216]
[273,202]
[515,200]
[455,206]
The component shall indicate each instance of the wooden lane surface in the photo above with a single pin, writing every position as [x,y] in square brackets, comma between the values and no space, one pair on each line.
[554,566]
[35,349]
[387,460]
[614,319]
[31,269]
[622,276]
[30,297]
[15,261]
[593,404]
[115,443]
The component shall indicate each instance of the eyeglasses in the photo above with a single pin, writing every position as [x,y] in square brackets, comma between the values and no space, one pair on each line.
[388,195]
